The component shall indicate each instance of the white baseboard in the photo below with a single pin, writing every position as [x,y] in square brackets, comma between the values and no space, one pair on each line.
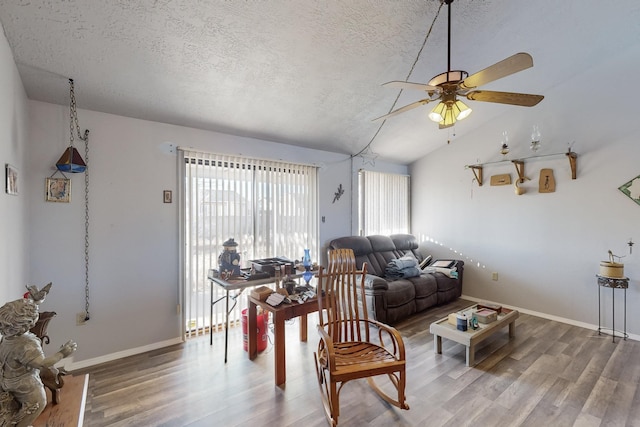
[70,365]
[547,316]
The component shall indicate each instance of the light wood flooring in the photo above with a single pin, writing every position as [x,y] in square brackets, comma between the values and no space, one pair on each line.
[550,374]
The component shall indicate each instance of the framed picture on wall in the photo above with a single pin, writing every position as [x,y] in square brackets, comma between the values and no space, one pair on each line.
[58,190]
[11,179]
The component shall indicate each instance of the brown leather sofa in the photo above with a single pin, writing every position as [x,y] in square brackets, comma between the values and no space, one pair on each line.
[393,300]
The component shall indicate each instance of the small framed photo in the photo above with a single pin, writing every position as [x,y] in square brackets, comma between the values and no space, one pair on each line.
[11,179]
[58,190]
[167,196]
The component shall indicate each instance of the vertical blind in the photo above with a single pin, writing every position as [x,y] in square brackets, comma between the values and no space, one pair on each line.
[384,203]
[270,209]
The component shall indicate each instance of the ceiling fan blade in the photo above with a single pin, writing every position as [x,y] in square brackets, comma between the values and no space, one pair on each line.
[409,85]
[513,64]
[403,109]
[522,99]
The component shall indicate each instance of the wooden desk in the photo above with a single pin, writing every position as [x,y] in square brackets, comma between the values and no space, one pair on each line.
[231,284]
[280,314]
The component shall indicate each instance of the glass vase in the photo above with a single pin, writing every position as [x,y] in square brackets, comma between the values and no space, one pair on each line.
[306,262]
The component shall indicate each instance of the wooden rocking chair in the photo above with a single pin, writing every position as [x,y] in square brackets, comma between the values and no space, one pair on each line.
[345,351]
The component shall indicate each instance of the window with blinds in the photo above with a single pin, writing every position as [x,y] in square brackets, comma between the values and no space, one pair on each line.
[384,201]
[269,208]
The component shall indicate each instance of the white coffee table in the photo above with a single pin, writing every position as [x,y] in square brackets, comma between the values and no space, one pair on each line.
[470,338]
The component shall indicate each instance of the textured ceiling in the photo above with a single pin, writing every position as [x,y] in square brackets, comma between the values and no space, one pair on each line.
[302,72]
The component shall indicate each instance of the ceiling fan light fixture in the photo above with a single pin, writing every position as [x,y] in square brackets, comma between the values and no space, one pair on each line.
[460,110]
[449,119]
[438,112]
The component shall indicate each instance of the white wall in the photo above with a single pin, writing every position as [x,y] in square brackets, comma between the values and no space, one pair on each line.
[546,248]
[133,234]
[13,209]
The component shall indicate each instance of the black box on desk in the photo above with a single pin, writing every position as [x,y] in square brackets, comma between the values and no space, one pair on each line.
[268,265]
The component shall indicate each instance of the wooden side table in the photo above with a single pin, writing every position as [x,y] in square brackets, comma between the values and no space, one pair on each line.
[613,283]
[281,313]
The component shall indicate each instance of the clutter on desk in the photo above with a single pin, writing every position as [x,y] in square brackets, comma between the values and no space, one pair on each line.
[290,285]
[229,259]
[255,276]
[302,294]
[275,299]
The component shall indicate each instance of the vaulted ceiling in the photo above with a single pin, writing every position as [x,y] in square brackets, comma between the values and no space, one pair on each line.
[304,72]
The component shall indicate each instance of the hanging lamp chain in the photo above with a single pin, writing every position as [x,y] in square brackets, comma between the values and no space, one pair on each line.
[73,117]
[86,224]
[74,127]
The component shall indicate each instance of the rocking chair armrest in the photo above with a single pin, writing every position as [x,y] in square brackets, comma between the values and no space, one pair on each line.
[394,336]
[328,346]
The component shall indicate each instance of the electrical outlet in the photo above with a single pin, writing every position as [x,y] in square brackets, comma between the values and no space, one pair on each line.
[81,318]
[494,276]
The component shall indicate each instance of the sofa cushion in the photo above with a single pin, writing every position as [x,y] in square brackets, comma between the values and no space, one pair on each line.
[426,288]
[425,285]
[444,282]
[400,292]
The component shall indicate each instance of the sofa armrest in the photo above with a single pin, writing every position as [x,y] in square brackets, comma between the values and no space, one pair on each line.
[375,282]
[451,273]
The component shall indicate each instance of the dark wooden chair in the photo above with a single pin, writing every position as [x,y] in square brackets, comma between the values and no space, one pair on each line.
[52,379]
[40,328]
[346,350]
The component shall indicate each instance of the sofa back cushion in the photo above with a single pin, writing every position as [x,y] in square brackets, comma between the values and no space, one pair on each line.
[361,249]
[378,251]
[405,244]
[383,251]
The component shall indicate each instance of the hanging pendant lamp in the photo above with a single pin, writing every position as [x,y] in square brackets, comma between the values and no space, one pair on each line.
[71,160]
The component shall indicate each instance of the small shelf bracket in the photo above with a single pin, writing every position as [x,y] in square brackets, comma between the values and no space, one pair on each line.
[477,172]
[519,164]
[572,162]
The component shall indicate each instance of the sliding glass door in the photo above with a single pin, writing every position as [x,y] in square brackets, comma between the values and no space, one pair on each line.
[269,208]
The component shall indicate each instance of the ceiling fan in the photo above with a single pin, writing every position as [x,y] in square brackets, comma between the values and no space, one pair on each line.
[448,86]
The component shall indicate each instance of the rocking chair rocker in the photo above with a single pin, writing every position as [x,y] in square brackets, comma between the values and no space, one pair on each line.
[345,351]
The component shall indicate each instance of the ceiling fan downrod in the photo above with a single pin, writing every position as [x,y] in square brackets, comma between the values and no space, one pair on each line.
[448,2]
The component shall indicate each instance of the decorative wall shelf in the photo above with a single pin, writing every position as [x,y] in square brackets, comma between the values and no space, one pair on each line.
[519,165]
